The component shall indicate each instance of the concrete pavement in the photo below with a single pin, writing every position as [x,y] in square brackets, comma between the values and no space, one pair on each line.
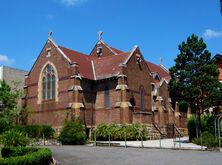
[86,155]
[177,143]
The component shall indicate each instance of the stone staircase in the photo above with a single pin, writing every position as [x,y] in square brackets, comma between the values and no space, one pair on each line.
[155,132]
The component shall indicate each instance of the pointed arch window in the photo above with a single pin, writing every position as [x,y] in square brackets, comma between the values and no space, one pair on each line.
[142,99]
[107,98]
[48,83]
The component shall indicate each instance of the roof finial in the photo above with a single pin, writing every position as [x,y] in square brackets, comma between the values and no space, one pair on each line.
[100,33]
[161,61]
[50,34]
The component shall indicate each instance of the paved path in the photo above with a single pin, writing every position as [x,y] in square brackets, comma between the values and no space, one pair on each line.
[163,143]
[86,155]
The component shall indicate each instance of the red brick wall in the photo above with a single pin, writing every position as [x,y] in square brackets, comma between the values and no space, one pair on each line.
[105,51]
[138,75]
[49,112]
[142,118]
[94,111]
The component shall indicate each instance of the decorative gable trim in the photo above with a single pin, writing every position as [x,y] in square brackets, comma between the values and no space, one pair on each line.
[136,47]
[57,47]
[93,68]
[102,42]
[108,47]
[163,80]
[131,54]
[164,68]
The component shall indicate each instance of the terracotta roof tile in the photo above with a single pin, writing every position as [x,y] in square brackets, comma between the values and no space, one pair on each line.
[85,67]
[109,66]
[104,67]
[116,50]
[158,69]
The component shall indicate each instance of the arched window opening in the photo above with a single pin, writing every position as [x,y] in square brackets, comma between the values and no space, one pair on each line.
[53,86]
[44,88]
[48,83]
[107,98]
[142,97]
[133,103]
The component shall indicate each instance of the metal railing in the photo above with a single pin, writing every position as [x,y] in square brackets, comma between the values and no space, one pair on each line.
[217,128]
[177,131]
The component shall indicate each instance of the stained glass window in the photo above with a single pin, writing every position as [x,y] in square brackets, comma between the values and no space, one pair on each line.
[48,83]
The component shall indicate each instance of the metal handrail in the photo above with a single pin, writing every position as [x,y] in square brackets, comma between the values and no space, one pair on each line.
[157,127]
[180,135]
[178,131]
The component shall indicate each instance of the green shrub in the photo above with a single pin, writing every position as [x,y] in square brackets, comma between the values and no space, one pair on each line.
[33,131]
[208,140]
[13,138]
[4,125]
[118,132]
[191,126]
[72,133]
[3,161]
[207,123]
[47,130]
[43,156]
[16,151]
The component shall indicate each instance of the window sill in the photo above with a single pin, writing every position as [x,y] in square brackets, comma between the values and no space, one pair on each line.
[48,101]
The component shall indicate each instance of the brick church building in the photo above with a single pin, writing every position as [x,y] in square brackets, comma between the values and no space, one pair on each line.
[106,86]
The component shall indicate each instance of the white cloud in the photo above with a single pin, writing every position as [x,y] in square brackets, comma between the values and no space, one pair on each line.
[72,2]
[5,60]
[209,33]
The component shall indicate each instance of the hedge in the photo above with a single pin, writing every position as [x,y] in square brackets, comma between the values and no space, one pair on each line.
[16,151]
[43,156]
[35,131]
[119,132]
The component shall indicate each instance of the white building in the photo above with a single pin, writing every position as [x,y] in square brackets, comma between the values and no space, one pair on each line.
[13,76]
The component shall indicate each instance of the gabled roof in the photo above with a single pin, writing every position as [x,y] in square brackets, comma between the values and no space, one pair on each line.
[96,68]
[163,73]
[104,66]
[117,50]
[109,66]
[83,60]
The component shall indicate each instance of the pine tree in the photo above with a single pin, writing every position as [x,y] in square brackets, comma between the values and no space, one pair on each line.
[195,77]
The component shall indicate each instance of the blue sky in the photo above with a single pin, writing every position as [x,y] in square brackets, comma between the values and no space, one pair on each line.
[156,26]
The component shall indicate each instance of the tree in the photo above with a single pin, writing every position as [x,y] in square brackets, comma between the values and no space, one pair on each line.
[195,77]
[9,99]
[221,6]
